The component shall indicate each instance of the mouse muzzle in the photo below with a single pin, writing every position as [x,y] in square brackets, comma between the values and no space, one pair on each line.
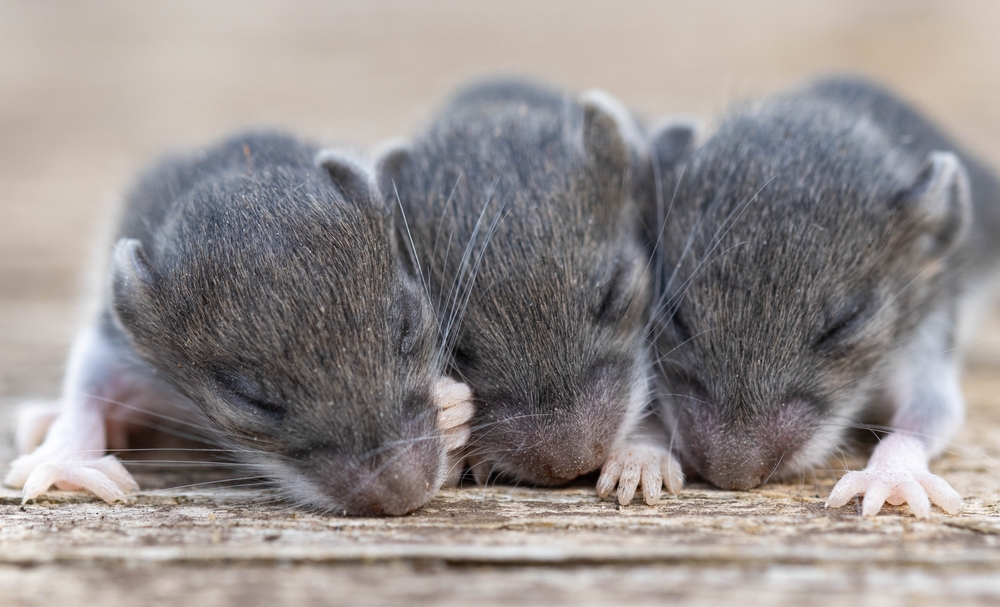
[558,462]
[549,452]
[745,452]
[392,482]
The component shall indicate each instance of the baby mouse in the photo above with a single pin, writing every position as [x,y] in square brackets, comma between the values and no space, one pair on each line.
[818,251]
[256,286]
[516,200]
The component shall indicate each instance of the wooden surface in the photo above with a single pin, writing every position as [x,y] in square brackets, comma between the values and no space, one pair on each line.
[90,92]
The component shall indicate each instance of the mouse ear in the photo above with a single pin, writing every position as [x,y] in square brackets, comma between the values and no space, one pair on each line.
[673,141]
[390,163]
[133,281]
[941,199]
[610,135]
[352,177]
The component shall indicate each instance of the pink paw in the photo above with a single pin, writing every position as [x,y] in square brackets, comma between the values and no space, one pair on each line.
[454,402]
[633,465]
[897,473]
[72,457]
[105,477]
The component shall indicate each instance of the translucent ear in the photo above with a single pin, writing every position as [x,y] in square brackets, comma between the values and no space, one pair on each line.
[133,281]
[941,198]
[673,141]
[390,163]
[351,176]
[608,131]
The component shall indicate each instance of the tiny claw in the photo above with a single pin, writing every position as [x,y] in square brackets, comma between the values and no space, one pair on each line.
[674,479]
[609,477]
[941,493]
[915,495]
[652,483]
[849,485]
[875,497]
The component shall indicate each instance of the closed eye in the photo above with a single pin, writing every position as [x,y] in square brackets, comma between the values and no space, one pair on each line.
[607,309]
[406,315]
[845,324]
[239,393]
[258,407]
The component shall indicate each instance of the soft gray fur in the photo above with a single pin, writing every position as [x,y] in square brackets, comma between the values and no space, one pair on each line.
[267,289]
[517,202]
[811,264]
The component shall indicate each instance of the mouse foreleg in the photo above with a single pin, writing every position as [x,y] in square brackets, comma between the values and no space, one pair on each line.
[73,455]
[931,408]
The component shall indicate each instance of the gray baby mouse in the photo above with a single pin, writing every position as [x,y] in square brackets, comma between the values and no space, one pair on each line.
[517,201]
[819,250]
[256,286]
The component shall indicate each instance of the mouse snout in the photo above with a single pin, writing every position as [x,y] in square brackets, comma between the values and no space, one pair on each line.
[740,471]
[393,483]
[397,489]
[561,462]
[746,452]
[550,456]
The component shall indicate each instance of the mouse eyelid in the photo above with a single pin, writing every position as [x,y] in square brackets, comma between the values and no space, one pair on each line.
[846,323]
[617,293]
[607,306]
[258,407]
[242,394]
[405,315]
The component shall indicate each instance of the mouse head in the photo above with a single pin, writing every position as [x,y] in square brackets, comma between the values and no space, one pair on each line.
[801,254]
[275,300]
[556,283]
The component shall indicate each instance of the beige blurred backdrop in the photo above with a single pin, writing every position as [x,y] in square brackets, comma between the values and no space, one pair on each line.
[90,92]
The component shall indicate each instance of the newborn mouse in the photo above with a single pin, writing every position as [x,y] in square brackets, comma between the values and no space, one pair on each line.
[516,201]
[819,249]
[257,286]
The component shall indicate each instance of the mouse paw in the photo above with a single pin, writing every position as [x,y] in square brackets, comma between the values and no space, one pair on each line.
[454,402]
[72,457]
[105,477]
[896,473]
[633,465]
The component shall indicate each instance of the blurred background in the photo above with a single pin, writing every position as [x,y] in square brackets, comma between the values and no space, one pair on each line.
[90,92]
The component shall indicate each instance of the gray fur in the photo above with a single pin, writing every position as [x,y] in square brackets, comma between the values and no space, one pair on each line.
[517,201]
[268,291]
[811,269]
